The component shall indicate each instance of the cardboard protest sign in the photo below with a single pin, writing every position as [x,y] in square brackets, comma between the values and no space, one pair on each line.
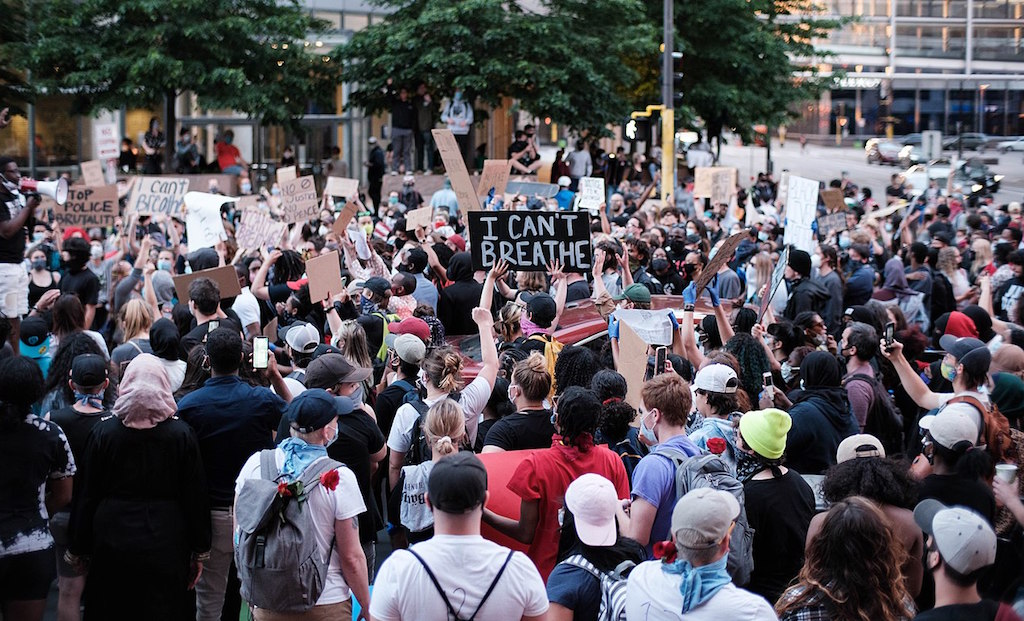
[702,181]
[831,224]
[418,218]
[833,199]
[92,173]
[591,193]
[532,188]
[224,276]
[324,273]
[632,363]
[88,207]
[106,141]
[203,224]
[159,196]
[286,174]
[778,274]
[654,327]
[298,199]
[722,256]
[270,330]
[494,176]
[247,202]
[454,165]
[258,230]
[530,240]
[801,211]
[344,217]
[723,185]
[341,186]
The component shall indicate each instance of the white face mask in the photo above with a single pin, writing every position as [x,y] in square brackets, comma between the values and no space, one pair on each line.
[647,432]
[816,261]
[334,437]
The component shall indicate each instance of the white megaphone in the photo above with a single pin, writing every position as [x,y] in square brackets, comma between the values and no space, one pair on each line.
[57,190]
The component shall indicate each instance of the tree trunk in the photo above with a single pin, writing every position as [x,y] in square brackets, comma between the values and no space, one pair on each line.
[170,130]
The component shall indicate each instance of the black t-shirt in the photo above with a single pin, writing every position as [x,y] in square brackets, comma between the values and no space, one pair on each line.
[12,250]
[953,489]
[388,402]
[530,344]
[358,438]
[779,511]
[196,335]
[579,290]
[481,432]
[84,284]
[516,147]
[77,426]
[985,610]
[529,429]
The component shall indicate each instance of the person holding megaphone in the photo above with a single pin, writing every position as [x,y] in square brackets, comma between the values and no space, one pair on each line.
[17,214]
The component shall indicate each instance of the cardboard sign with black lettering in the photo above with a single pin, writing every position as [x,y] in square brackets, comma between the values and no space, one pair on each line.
[88,207]
[830,225]
[298,199]
[258,230]
[159,196]
[493,177]
[722,256]
[531,240]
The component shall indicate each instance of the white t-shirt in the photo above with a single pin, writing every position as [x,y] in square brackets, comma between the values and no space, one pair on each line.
[465,566]
[474,399]
[653,595]
[416,515]
[327,506]
[247,307]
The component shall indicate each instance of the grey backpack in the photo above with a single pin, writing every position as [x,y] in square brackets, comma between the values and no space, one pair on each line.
[613,586]
[710,471]
[278,560]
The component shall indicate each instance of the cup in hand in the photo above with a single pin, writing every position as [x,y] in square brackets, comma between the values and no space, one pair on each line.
[1006,472]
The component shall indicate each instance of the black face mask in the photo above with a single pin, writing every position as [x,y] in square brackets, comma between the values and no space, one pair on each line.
[690,269]
[677,246]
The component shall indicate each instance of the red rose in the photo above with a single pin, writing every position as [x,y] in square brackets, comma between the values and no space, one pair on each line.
[665,550]
[330,479]
[716,445]
[283,491]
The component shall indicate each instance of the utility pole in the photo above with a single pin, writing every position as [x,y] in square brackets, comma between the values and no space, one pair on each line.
[668,115]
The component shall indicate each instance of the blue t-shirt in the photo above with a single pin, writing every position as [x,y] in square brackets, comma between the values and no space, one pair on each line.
[576,589]
[654,481]
[564,199]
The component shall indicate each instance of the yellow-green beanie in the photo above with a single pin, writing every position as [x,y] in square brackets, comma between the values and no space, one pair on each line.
[765,431]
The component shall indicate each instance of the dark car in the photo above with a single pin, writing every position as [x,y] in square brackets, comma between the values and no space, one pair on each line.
[913,140]
[967,140]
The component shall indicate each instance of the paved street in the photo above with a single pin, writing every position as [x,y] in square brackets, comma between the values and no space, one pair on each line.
[825,163]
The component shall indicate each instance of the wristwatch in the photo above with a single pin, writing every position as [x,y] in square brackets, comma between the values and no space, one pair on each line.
[688,308]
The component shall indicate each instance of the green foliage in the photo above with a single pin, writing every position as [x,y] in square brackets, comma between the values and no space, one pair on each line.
[576,61]
[244,55]
[14,90]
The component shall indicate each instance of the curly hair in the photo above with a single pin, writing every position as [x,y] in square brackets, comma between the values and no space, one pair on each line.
[753,361]
[289,266]
[22,386]
[577,410]
[854,566]
[608,384]
[575,366]
[881,479]
[71,346]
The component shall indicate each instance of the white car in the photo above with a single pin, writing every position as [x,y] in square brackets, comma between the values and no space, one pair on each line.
[1017,144]
[917,177]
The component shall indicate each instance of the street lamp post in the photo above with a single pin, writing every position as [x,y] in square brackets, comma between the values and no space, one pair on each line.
[981,106]
[668,118]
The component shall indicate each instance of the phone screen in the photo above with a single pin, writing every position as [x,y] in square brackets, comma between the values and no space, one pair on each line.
[212,325]
[769,387]
[260,352]
[890,329]
[659,360]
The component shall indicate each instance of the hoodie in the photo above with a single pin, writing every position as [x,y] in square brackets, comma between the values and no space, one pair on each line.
[821,415]
[456,302]
[805,295]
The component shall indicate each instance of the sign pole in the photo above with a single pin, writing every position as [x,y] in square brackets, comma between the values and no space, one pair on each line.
[668,119]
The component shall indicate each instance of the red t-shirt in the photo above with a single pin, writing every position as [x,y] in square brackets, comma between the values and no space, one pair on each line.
[227,155]
[545,476]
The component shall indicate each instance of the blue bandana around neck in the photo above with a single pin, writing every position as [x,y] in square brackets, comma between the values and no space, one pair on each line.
[298,454]
[699,584]
[90,400]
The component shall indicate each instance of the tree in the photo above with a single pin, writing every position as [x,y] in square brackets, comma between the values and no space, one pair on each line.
[572,60]
[243,55]
[14,89]
[747,61]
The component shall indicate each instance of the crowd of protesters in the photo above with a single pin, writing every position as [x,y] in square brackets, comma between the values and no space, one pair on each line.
[862,431]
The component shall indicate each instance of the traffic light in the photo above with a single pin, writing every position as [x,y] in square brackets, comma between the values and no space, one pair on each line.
[637,129]
[677,79]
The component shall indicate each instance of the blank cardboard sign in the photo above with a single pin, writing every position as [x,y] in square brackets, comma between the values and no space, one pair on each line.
[418,218]
[92,173]
[324,273]
[286,174]
[341,186]
[456,169]
[224,276]
[344,217]
[632,363]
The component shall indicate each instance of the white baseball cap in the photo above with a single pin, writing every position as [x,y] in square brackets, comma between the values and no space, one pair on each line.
[592,500]
[718,378]
[859,445]
[564,181]
[965,540]
[954,423]
[302,337]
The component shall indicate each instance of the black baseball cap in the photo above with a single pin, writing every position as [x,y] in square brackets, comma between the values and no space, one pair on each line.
[542,308]
[88,370]
[458,483]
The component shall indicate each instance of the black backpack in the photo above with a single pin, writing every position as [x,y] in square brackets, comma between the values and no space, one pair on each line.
[419,450]
[884,420]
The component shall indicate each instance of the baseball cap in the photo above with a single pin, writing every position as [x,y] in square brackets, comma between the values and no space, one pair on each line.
[313,409]
[410,348]
[88,370]
[302,337]
[718,378]
[959,346]
[411,325]
[636,292]
[859,445]
[541,307]
[592,500]
[457,483]
[563,181]
[34,337]
[860,313]
[957,422]
[380,286]
[703,517]
[964,539]
[330,370]
[459,242]
[372,140]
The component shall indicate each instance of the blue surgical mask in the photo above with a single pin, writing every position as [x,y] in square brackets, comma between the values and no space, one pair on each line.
[787,372]
[229,139]
[844,242]
[164,265]
[763,236]
[276,191]
[647,432]
[246,187]
[458,95]
[38,237]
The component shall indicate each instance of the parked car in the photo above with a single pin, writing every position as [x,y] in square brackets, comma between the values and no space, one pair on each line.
[1015,144]
[910,139]
[882,152]
[911,155]
[969,140]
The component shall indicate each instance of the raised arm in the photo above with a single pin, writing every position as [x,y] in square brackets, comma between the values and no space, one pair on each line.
[912,382]
[561,290]
[686,332]
[259,282]
[488,349]
[495,275]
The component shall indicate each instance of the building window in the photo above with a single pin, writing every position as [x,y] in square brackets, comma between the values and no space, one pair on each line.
[999,43]
[930,41]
